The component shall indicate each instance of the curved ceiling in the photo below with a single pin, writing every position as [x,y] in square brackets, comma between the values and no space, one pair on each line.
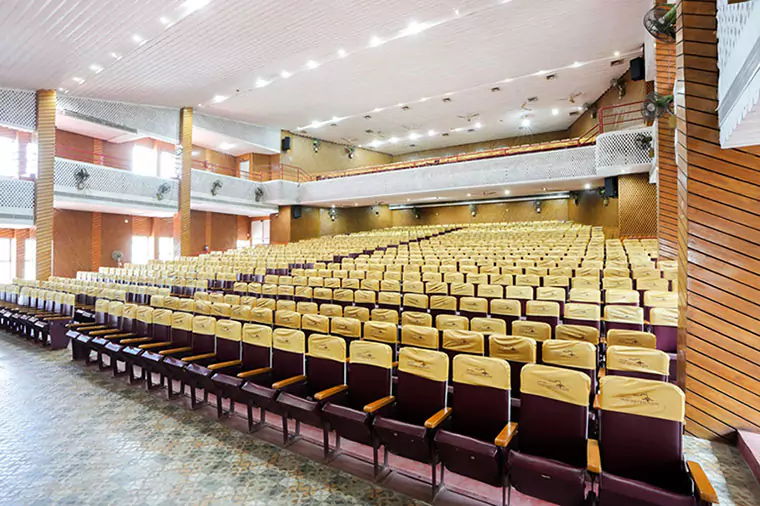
[253,61]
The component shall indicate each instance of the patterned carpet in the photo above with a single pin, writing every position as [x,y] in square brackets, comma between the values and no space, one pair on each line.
[72,435]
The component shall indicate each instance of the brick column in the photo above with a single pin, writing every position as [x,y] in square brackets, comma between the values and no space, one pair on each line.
[186,139]
[43,207]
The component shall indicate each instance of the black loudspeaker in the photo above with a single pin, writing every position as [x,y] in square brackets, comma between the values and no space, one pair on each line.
[285,144]
[638,72]
[296,212]
[611,187]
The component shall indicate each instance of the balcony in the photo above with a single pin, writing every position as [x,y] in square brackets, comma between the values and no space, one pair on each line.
[625,151]
[739,81]
[226,194]
[16,203]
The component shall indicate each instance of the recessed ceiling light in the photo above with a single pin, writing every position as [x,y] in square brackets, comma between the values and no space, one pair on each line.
[456,12]
[138,39]
[408,200]
[260,83]
[311,64]
[543,189]
[577,64]
[375,41]
[414,28]
[458,129]
[193,5]
[335,118]
[424,99]
[164,20]
[587,186]
[431,133]
[377,109]
[469,194]
[116,56]
[315,124]
[617,53]
[555,112]
[507,192]
[478,124]
[96,68]
[393,140]
[77,80]
[580,107]
[285,74]
[342,53]
[525,122]
[355,204]
[218,99]
[414,136]
[226,145]
[507,80]
[541,73]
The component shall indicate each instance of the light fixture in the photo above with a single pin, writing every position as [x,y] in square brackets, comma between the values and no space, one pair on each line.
[469,194]
[580,108]
[458,129]
[507,192]
[424,99]
[260,83]
[77,80]
[456,12]
[225,146]
[414,136]
[375,143]
[393,140]
[587,186]
[116,56]
[315,124]
[431,133]
[335,119]
[196,153]
[478,125]
[555,112]
[375,41]
[137,39]
[541,73]
[342,53]
[377,109]
[525,122]
[311,64]
[414,28]
[577,64]
[191,6]
[96,68]
[126,221]
[218,99]
[285,74]
[164,20]
[617,53]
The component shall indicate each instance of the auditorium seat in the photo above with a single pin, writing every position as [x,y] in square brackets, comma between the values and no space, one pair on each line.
[200,348]
[643,363]
[631,338]
[518,351]
[664,325]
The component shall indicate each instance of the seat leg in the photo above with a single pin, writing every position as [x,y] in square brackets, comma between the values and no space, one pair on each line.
[205,396]
[192,397]
[434,487]
[170,387]
[219,410]
[326,441]
[250,416]
[148,379]
[285,430]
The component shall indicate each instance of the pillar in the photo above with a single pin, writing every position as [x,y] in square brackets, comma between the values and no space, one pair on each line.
[43,206]
[186,140]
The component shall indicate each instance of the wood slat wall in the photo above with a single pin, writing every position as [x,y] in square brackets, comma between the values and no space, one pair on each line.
[718,245]
[667,184]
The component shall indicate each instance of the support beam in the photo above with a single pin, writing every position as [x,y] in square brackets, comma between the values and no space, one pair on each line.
[186,140]
[43,206]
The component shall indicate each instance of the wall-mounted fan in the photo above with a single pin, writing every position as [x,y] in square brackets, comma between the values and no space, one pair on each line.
[259,194]
[656,106]
[660,22]
[117,256]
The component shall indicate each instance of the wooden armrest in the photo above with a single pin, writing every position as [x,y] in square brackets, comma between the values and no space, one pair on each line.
[704,487]
[176,350]
[324,394]
[120,336]
[136,340]
[602,372]
[95,327]
[222,365]
[597,404]
[79,325]
[290,381]
[203,356]
[593,459]
[255,372]
[437,419]
[153,346]
[394,365]
[380,403]
[103,332]
[506,435]
[58,318]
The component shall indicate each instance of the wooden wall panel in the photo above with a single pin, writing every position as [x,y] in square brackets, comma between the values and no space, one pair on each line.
[43,185]
[97,240]
[223,231]
[116,235]
[72,242]
[591,210]
[280,223]
[637,206]
[718,246]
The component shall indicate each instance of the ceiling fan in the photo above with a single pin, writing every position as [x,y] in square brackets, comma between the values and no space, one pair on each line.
[572,97]
[469,117]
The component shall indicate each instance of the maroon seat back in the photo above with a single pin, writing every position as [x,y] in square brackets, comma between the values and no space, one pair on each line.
[182,328]
[143,326]
[228,336]
[288,353]
[575,355]
[518,351]
[665,327]
[422,384]
[370,375]
[115,314]
[641,431]
[204,329]
[554,413]
[161,330]
[326,364]
[481,400]
[257,346]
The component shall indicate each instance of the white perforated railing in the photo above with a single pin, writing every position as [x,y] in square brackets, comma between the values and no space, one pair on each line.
[113,187]
[18,109]
[624,149]
[16,202]
[732,20]
[232,194]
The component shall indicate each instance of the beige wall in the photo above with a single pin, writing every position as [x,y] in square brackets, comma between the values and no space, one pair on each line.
[483,146]
[485,213]
[331,156]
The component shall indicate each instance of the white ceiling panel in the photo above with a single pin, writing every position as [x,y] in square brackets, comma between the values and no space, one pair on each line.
[185,52]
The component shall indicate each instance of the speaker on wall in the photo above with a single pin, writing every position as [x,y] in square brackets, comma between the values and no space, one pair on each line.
[285,143]
[611,187]
[296,212]
[638,71]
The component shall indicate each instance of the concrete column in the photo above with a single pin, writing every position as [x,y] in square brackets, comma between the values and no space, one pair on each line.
[43,207]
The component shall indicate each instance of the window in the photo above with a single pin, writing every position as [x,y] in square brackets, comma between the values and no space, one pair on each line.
[8,157]
[7,260]
[245,169]
[166,248]
[243,244]
[142,249]
[168,165]
[30,258]
[31,159]
[144,161]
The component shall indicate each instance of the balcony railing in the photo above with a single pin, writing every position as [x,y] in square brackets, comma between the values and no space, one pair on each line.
[16,202]
[625,150]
